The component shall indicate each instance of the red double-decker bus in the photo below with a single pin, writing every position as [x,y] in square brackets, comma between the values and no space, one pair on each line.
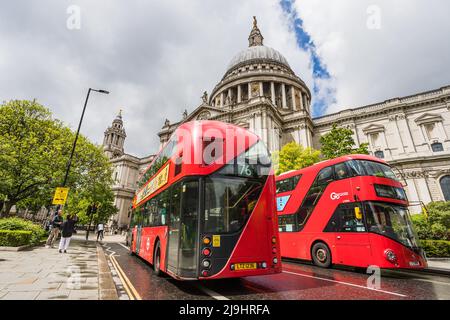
[205,207]
[350,210]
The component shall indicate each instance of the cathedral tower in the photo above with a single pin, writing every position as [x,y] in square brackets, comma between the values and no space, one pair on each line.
[114,138]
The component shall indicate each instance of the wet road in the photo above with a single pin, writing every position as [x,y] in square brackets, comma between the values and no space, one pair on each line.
[296,282]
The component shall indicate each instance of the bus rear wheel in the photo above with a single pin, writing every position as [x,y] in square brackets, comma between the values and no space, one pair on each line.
[321,255]
[157,261]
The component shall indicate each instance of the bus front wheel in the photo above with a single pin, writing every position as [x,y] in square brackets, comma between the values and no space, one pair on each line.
[321,255]
[157,261]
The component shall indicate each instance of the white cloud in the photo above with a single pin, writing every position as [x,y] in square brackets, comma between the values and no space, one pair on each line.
[408,54]
[156,58]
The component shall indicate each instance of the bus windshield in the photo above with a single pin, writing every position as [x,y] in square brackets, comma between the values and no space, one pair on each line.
[372,168]
[392,221]
[233,191]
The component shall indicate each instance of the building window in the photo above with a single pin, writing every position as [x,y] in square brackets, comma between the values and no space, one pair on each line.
[445,186]
[379,154]
[437,147]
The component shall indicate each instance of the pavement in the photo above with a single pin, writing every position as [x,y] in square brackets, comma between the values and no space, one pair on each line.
[439,264]
[40,273]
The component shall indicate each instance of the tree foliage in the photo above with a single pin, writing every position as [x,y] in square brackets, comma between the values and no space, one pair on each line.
[339,142]
[437,225]
[294,156]
[34,151]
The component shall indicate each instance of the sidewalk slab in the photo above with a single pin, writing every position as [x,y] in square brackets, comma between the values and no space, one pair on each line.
[45,274]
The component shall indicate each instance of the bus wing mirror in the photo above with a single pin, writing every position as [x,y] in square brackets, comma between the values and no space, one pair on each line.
[358,214]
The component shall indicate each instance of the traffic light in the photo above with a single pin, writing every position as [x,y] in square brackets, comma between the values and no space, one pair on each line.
[94,208]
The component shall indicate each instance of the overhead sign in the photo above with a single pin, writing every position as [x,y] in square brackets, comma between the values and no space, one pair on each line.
[157,182]
[60,196]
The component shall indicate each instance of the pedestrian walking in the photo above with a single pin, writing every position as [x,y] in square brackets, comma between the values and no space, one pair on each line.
[67,230]
[56,227]
[100,229]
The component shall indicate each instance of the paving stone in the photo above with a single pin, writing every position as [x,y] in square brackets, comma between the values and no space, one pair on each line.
[53,295]
[21,295]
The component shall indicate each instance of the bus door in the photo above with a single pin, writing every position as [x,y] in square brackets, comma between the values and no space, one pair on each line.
[138,236]
[183,230]
[352,243]
[188,250]
[174,229]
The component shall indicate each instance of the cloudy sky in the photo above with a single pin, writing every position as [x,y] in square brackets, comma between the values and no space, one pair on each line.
[157,57]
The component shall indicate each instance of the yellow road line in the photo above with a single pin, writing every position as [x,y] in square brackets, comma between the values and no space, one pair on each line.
[136,294]
[123,280]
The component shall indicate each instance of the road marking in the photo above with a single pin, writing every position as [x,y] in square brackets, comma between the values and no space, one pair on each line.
[123,246]
[347,283]
[123,277]
[212,293]
[130,295]
[127,281]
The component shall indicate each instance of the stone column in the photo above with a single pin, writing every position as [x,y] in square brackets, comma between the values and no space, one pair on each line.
[283,96]
[261,89]
[249,90]
[294,104]
[302,107]
[229,95]
[239,93]
[272,92]
[221,100]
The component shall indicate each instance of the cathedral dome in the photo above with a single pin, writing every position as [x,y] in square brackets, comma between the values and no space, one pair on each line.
[258,52]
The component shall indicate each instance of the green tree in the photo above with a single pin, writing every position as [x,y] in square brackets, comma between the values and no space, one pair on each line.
[34,150]
[339,142]
[437,225]
[294,157]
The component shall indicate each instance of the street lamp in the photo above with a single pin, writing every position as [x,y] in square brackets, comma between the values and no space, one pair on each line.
[69,163]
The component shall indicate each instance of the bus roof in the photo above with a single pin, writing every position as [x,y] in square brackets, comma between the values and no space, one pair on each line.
[318,166]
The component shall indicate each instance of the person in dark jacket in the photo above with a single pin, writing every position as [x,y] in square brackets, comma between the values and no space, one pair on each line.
[67,230]
[56,227]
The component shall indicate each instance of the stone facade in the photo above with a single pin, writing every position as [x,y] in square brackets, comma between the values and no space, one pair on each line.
[126,170]
[260,92]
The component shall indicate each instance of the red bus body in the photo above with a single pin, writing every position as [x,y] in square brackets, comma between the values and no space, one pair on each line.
[351,242]
[187,203]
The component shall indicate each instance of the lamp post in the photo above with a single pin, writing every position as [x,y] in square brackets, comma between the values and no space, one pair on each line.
[69,163]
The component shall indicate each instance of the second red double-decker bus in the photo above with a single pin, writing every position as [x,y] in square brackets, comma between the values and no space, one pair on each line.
[351,211]
[205,207]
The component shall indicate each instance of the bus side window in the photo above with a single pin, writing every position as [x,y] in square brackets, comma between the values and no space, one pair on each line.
[325,176]
[322,180]
[342,171]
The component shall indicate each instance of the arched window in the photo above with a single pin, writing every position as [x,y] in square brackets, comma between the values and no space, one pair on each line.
[445,186]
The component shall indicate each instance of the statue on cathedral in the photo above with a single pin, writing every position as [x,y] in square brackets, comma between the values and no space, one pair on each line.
[166,123]
[185,114]
[205,97]
[255,22]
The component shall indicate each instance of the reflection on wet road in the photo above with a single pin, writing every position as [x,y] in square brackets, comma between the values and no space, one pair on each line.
[296,282]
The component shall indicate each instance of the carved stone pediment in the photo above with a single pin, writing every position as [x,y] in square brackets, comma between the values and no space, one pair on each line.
[373,128]
[428,118]
[204,112]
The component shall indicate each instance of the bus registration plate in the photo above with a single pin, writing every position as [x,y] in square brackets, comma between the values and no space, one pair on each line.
[245,266]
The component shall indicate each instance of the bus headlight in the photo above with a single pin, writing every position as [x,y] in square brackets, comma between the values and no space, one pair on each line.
[206,263]
[264,265]
[275,260]
[390,255]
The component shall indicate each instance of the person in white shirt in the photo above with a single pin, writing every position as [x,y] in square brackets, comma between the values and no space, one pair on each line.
[100,228]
